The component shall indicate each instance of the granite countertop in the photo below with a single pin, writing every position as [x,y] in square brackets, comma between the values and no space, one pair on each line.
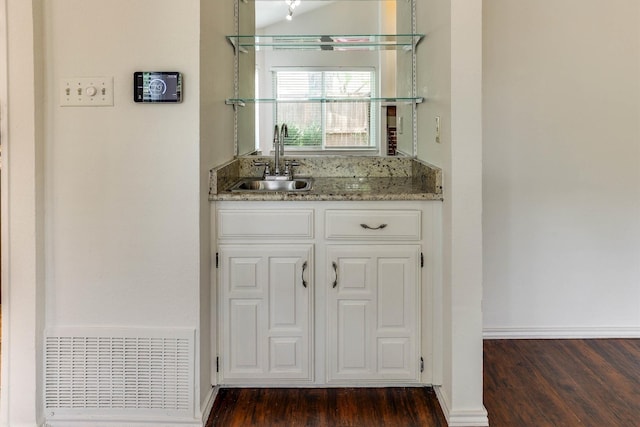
[338,178]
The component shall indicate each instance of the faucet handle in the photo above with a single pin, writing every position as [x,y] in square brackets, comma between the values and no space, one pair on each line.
[288,167]
[267,167]
[257,163]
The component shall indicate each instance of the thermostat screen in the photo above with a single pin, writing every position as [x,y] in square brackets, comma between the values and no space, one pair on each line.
[157,86]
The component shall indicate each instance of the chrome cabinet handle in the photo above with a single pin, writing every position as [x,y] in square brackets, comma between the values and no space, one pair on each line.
[366,227]
[304,267]
[335,270]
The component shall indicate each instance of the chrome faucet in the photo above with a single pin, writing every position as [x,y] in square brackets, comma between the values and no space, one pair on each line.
[284,133]
[279,134]
[276,147]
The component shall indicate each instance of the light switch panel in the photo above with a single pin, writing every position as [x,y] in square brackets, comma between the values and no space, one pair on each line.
[86,92]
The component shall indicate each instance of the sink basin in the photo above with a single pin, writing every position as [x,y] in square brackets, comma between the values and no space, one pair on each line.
[257,184]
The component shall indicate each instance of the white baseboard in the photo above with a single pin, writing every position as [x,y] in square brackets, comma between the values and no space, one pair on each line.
[213,393]
[121,423]
[454,418]
[562,333]
[210,400]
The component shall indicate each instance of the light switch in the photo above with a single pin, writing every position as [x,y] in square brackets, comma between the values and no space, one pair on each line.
[86,92]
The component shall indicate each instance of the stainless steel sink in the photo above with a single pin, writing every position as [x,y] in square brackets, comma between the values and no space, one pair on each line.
[257,184]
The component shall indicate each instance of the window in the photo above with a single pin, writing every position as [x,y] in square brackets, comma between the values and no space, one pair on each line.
[327,109]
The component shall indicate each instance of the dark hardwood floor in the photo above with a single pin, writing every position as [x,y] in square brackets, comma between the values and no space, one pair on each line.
[368,407]
[537,383]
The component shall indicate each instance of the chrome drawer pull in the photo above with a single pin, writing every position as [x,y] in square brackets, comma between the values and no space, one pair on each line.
[304,267]
[366,227]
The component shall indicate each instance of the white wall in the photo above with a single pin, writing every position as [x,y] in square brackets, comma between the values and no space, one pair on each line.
[449,76]
[216,148]
[105,210]
[434,79]
[22,213]
[561,168]
[121,186]
[127,222]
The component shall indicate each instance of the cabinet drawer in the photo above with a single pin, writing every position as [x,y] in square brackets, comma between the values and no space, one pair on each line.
[265,224]
[373,224]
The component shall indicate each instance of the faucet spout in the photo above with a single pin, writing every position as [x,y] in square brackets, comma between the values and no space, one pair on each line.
[279,134]
[276,147]
[284,133]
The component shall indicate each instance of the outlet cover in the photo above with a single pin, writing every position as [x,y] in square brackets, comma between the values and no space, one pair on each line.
[86,92]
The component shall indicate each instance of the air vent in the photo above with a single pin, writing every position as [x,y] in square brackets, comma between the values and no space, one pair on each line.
[119,370]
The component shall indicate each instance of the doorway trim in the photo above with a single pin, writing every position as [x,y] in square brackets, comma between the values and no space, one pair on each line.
[21,121]
[3,210]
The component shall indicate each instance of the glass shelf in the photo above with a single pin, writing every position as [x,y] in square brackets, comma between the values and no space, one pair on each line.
[391,101]
[337,43]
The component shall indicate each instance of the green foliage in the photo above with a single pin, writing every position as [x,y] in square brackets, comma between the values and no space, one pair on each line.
[304,137]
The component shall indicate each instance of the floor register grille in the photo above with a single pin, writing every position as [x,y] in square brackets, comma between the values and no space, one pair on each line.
[131,371]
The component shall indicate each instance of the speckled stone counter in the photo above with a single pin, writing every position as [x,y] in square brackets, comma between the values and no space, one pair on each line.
[337,178]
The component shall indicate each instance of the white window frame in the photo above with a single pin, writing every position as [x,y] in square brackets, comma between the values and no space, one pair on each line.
[374,121]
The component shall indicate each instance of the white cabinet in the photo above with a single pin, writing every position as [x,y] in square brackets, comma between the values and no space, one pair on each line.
[372,312]
[373,301]
[368,224]
[320,293]
[266,311]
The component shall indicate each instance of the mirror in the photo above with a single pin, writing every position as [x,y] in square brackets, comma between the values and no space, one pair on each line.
[342,85]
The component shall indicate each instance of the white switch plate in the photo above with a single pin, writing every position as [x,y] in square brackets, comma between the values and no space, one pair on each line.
[86,92]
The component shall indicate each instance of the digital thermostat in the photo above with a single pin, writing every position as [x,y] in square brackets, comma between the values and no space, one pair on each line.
[157,86]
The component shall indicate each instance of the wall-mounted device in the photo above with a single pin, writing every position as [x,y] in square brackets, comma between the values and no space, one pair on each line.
[157,86]
[86,92]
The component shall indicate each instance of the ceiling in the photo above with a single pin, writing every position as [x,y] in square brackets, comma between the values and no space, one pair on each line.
[269,12]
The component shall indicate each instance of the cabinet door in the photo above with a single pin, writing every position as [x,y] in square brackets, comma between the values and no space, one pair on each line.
[266,312]
[373,306]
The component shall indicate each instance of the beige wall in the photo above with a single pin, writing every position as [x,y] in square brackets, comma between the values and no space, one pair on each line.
[106,207]
[434,79]
[121,182]
[449,76]
[216,148]
[561,167]
[123,192]
[22,213]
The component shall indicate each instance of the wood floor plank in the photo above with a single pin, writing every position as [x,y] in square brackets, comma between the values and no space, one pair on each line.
[610,384]
[573,377]
[527,398]
[341,407]
[527,383]
[576,382]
